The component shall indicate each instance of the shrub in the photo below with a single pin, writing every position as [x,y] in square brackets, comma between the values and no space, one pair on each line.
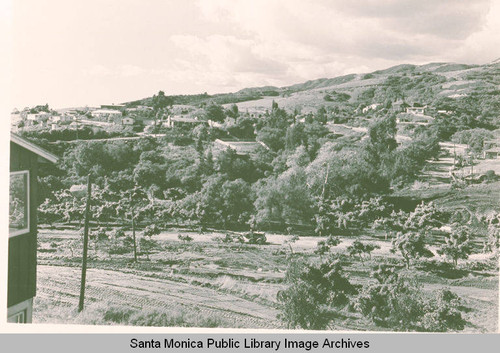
[411,245]
[443,313]
[324,246]
[361,249]
[185,238]
[117,233]
[151,230]
[230,238]
[397,302]
[255,238]
[119,246]
[457,244]
[314,291]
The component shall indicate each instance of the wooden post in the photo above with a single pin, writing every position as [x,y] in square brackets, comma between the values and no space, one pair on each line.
[133,234]
[85,245]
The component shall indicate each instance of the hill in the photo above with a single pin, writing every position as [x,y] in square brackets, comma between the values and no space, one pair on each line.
[432,84]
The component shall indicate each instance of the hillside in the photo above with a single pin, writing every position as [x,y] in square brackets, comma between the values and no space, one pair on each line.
[432,84]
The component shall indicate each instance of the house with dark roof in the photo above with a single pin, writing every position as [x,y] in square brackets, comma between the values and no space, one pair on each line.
[21,282]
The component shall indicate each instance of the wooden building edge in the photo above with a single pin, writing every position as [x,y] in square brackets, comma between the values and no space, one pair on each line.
[25,157]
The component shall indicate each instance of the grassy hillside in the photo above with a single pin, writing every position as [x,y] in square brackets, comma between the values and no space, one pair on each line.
[427,84]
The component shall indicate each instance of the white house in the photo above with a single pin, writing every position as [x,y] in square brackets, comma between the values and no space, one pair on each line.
[416,110]
[108,114]
[181,120]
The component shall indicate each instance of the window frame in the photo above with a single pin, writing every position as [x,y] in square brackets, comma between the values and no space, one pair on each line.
[28,226]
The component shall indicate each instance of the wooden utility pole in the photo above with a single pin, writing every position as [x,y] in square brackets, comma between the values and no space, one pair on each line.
[133,234]
[325,183]
[85,245]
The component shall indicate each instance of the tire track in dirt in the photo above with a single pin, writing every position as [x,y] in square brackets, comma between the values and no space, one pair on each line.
[63,284]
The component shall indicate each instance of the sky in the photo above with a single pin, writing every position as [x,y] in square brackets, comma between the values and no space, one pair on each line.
[73,53]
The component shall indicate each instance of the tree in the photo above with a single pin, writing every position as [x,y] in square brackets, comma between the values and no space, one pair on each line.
[315,293]
[397,302]
[160,101]
[232,111]
[361,249]
[215,112]
[411,245]
[457,244]
[324,246]
[321,116]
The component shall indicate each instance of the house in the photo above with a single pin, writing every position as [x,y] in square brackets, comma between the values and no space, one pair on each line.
[139,108]
[21,284]
[492,149]
[492,153]
[128,121]
[38,118]
[417,109]
[242,148]
[107,114]
[55,119]
[181,120]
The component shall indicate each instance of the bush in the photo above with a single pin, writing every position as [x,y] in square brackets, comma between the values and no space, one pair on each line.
[255,238]
[119,246]
[315,293]
[151,230]
[361,249]
[397,302]
[185,238]
[457,244]
[324,246]
[443,313]
[411,245]
[98,234]
[117,233]
[229,238]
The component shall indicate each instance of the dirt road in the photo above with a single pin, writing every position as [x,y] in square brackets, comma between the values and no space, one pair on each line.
[62,284]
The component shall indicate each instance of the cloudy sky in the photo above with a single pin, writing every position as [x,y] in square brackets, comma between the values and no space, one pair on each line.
[75,52]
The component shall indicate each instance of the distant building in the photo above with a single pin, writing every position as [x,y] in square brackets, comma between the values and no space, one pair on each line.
[492,149]
[60,118]
[128,121]
[492,153]
[139,108]
[416,109]
[37,118]
[108,114]
[181,120]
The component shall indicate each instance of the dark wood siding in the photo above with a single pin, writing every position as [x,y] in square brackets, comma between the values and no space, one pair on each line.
[22,248]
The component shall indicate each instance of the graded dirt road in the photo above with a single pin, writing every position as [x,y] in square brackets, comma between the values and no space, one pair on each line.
[117,288]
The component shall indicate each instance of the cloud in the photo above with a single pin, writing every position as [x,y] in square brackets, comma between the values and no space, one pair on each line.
[446,18]
[386,29]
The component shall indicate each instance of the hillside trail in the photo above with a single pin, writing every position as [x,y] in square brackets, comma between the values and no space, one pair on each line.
[62,284]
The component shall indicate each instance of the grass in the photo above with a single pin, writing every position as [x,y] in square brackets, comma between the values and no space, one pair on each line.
[251,272]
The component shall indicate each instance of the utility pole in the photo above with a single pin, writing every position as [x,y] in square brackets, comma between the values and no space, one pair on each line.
[85,245]
[133,234]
